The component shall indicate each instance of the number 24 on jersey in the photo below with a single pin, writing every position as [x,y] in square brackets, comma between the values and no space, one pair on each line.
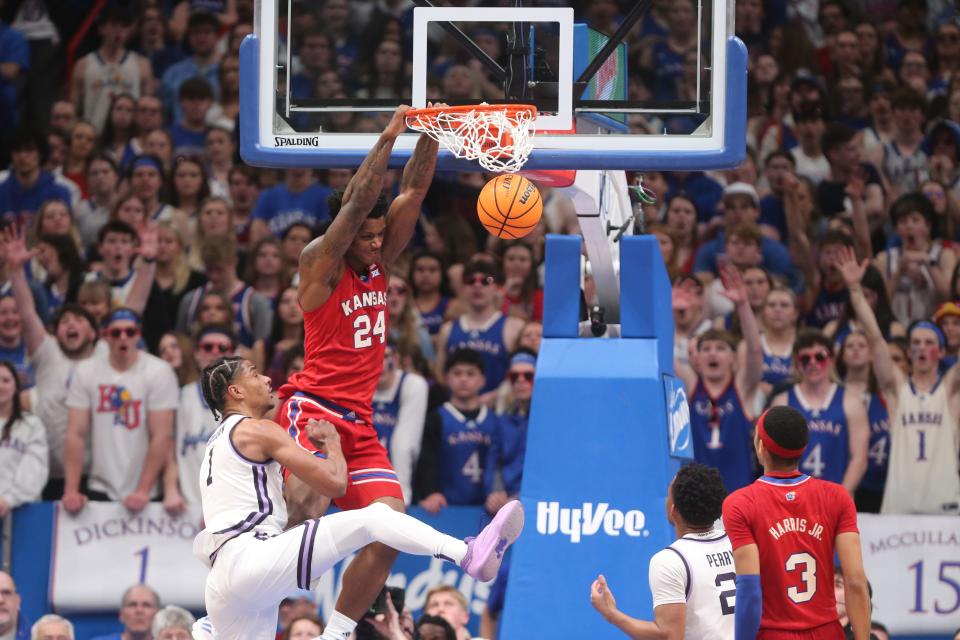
[364,333]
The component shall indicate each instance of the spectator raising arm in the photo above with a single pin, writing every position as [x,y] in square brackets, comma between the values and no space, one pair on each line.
[17,256]
[798,209]
[750,374]
[145,271]
[861,226]
[889,377]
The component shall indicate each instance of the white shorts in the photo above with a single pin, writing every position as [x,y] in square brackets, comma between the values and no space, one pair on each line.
[253,573]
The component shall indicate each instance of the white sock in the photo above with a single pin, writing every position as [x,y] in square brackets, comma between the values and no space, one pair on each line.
[339,627]
[352,530]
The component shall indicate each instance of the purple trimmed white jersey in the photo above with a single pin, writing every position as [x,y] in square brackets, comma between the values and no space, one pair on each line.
[239,496]
[697,570]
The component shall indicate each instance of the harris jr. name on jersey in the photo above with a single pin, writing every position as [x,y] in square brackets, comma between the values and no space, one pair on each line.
[796,525]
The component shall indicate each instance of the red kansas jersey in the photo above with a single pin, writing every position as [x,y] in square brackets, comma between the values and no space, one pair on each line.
[344,341]
[794,520]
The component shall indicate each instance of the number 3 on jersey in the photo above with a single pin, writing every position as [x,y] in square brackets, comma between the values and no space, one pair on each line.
[362,337]
[807,565]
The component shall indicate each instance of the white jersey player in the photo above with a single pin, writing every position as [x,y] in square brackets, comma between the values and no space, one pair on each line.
[693,581]
[924,409]
[254,559]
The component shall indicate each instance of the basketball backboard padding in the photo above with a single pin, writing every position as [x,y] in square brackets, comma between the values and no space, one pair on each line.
[561,293]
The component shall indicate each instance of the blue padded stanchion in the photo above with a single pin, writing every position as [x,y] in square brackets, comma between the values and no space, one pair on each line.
[601,449]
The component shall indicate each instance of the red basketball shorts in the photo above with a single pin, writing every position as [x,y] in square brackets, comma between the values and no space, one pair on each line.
[829,631]
[369,473]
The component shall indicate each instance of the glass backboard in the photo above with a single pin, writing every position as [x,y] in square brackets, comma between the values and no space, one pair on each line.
[628,85]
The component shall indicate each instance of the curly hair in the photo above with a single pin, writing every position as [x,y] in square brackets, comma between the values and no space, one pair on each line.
[215,379]
[698,494]
[335,203]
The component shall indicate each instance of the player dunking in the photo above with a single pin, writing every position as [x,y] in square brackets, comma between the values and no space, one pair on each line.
[784,529]
[253,561]
[343,283]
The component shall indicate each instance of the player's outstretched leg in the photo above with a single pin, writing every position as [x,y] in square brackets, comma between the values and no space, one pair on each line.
[479,557]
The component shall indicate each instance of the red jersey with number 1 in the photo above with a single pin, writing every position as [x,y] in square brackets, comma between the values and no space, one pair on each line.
[344,341]
[794,520]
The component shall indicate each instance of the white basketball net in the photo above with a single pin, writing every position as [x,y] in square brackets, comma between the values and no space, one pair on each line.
[500,139]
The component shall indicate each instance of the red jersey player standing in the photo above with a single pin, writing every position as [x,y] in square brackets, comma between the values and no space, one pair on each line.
[784,529]
[343,284]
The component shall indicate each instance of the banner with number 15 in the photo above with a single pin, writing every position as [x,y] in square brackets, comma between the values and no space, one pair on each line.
[913,564]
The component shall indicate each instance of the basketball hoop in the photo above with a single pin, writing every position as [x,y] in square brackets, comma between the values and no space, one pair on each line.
[498,136]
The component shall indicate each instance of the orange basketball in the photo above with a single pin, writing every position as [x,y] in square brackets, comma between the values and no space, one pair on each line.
[509,206]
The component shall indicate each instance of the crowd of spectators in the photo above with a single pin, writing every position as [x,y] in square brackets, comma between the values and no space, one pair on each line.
[136,248]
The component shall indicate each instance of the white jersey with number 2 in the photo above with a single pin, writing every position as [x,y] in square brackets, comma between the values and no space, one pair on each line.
[697,570]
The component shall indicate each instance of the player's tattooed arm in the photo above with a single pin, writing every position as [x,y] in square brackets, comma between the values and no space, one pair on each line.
[320,261]
[405,209]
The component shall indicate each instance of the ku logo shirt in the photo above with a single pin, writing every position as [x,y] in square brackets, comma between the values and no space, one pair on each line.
[120,402]
[119,405]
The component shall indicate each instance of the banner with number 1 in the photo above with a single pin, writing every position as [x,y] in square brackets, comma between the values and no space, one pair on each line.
[105,549]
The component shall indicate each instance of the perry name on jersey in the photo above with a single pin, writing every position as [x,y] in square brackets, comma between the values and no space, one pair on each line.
[719,560]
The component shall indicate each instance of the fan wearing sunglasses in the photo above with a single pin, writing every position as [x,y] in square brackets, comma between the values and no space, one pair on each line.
[839,430]
[124,400]
[483,327]
[722,390]
[195,423]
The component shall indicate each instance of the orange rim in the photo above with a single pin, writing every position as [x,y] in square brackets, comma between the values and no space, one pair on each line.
[510,109]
